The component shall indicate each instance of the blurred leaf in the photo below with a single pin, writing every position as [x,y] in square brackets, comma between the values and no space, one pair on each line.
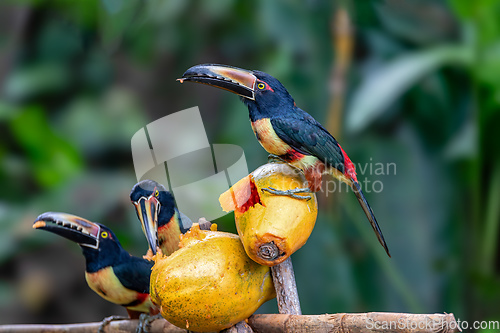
[52,159]
[8,293]
[10,216]
[97,71]
[99,197]
[96,125]
[469,9]
[417,21]
[384,85]
[284,23]
[216,8]
[59,42]
[82,13]
[112,6]
[492,224]
[382,45]
[465,9]
[483,16]
[337,270]
[489,66]
[6,111]
[36,80]
[464,143]
[165,11]
[119,17]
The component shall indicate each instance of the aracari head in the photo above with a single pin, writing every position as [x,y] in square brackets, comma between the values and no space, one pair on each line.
[262,93]
[154,206]
[100,246]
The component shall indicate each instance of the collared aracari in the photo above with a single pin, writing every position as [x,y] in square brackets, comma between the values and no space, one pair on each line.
[285,130]
[110,271]
[161,221]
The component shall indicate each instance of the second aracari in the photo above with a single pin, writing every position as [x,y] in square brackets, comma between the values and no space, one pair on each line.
[161,221]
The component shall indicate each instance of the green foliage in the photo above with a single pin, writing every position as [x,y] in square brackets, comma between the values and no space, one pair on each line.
[52,162]
[37,80]
[383,86]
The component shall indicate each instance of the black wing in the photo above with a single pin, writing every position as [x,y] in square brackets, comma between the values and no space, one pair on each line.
[134,274]
[184,222]
[304,134]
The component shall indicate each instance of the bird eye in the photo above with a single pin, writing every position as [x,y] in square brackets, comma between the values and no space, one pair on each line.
[104,234]
[261,85]
[157,193]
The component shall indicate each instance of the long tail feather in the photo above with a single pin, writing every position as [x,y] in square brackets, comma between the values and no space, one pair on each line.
[369,213]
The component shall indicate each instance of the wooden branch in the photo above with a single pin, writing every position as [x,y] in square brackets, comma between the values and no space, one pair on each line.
[120,326]
[241,327]
[286,289]
[281,323]
[355,323]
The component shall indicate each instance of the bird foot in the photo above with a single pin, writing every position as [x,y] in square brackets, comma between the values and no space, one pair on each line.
[108,320]
[145,321]
[290,193]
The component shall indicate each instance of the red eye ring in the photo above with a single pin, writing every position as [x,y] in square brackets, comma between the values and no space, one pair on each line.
[261,85]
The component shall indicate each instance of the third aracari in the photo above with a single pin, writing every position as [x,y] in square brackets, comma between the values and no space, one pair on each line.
[110,271]
[285,130]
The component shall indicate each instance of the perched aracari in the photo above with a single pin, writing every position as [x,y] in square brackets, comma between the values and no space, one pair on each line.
[285,130]
[110,271]
[161,221]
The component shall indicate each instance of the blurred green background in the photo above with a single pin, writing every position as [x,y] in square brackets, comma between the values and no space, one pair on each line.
[410,84]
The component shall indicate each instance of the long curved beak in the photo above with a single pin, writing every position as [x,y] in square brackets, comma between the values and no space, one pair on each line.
[236,80]
[147,211]
[72,227]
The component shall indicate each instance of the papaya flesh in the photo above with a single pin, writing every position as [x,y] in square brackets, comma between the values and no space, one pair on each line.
[209,284]
[271,226]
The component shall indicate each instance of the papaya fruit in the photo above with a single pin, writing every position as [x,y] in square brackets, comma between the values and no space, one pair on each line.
[209,284]
[271,226]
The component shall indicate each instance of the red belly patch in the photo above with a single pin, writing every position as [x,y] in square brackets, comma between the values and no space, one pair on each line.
[292,155]
[314,174]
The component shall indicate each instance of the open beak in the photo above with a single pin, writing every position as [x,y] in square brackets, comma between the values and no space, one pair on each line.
[147,210]
[72,227]
[236,80]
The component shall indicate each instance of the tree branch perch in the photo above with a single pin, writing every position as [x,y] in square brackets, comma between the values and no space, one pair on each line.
[282,323]
[286,289]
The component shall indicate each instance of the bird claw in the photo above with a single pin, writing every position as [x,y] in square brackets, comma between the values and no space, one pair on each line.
[108,320]
[290,193]
[145,321]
